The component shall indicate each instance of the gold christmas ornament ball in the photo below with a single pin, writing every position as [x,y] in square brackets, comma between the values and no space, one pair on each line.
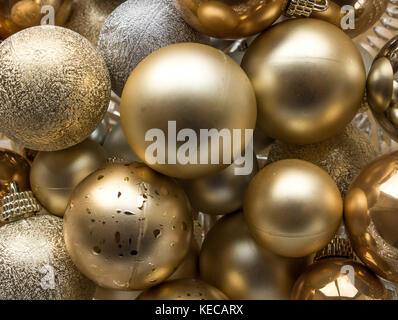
[137,28]
[34,263]
[230,19]
[55,174]
[342,156]
[158,95]
[371,216]
[233,262]
[338,279]
[128,227]
[183,289]
[13,167]
[309,80]
[293,208]
[62,91]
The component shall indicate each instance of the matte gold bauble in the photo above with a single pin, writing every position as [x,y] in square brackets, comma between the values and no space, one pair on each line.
[293,208]
[309,80]
[34,263]
[54,175]
[128,227]
[234,263]
[183,289]
[13,167]
[88,16]
[62,91]
[338,279]
[371,216]
[220,193]
[158,92]
[342,156]
[230,19]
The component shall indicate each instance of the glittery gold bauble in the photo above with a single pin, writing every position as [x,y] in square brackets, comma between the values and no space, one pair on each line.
[220,193]
[371,216]
[230,19]
[137,28]
[309,80]
[233,262]
[293,208]
[55,174]
[34,263]
[13,167]
[54,88]
[88,16]
[111,294]
[338,279]
[342,156]
[128,227]
[183,289]
[158,92]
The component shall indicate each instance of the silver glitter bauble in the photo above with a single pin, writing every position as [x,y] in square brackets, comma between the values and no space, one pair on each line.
[34,264]
[54,88]
[137,28]
[342,156]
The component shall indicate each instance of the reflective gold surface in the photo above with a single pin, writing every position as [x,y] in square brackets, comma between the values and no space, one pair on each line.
[196,86]
[54,175]
[127,227]
[293,208]
[184,289]
[309,80]
[338,279]
[233,262]
[230,19]
[371,216]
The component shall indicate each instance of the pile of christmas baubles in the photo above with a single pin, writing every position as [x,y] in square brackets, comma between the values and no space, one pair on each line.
[89,211]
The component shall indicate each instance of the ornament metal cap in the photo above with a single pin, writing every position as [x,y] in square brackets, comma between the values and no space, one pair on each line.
[304,8]
[338,247]
[18,204]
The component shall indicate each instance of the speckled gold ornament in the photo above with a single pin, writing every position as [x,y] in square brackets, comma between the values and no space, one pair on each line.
[184,289]
[54,88]
[342,156]
[128,227]
[34,263]
[55,174]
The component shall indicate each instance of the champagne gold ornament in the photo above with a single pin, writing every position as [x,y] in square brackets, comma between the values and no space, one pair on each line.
[137,28]
[371,216]
[309,80]
[35,264]
[293,208]
[63,88]
[158,92]
[184,289]
[230,19]
[342,156]
[127,227]
[233,262]
[54,175]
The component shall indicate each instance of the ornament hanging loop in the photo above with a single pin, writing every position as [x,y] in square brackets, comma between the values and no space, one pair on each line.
[304,8]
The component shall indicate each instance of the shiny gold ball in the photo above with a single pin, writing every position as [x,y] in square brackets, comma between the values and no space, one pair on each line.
[234,263]
[217,96]
[54,88]
[220,193]
[55,174]
[34,263]
[293,208]
[13,167]
[309,80]
[230,19]
[183,289]
[338,279]
[371,216]
[128,227]
[342,156]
